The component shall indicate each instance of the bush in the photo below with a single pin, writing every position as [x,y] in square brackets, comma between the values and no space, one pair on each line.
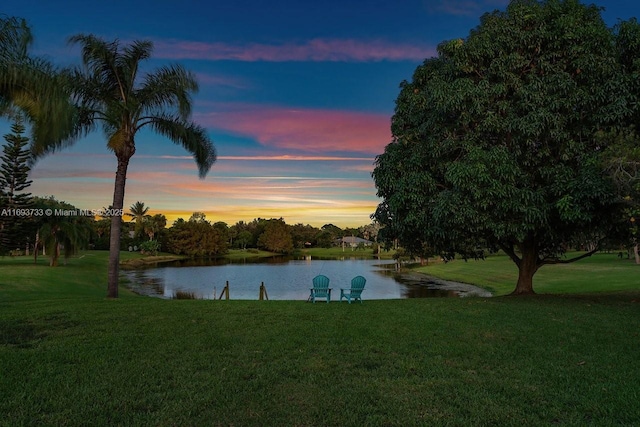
[150,246]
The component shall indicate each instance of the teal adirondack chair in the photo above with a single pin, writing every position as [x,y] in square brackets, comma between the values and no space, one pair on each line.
[355,292]
[320,288]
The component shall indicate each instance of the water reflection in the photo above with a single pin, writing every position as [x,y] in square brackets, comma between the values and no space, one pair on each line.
[418,291]
[285,278]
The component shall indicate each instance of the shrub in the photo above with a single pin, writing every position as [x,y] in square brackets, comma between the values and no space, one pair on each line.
[150,246]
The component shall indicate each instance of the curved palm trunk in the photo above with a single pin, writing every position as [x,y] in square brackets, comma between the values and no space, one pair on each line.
[116,226]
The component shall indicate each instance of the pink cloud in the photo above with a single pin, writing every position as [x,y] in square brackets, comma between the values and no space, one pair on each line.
[287,157]
[53,173]
[330,50]
[278,158]
[307,130]
[218,80]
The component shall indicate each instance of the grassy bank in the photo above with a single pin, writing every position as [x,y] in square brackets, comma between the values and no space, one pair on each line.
[69,356]
[601,272]
[339,252]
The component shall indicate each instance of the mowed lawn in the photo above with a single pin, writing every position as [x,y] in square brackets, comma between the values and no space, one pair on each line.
[69,356]
[602,272]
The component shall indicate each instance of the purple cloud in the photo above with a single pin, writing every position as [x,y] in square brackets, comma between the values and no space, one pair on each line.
[315,50]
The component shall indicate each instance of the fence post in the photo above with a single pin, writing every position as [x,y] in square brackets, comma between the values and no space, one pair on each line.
[225,291]
[263,292]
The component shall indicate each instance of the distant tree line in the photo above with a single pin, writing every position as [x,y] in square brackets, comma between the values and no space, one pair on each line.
[198,237]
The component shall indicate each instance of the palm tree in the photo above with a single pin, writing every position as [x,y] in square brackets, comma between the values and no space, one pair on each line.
[70,234]
[56,232]
[33,86]
[138,212]
[109,90]
[153,224]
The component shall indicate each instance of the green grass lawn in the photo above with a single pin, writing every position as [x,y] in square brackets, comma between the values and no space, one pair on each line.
[69,356]
[601,272]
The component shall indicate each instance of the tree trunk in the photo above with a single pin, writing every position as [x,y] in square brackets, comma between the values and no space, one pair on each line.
[635,253]
[116,226]
[35,248]
[527,267]
[55,253]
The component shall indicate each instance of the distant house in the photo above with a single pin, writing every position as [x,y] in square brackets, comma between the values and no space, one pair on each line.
[354,242]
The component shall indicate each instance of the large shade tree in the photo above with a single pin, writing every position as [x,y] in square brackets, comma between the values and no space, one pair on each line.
[196,237]
[111,91]
[622,156]
[276,237]
[494,141]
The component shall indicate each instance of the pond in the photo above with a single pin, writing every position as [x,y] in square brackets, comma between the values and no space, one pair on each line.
[287,279]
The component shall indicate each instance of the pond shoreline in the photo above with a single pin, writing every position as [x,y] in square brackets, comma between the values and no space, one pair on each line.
[149,260]
[432,282]
[414,284]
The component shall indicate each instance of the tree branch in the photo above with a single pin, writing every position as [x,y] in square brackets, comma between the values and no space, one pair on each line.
[550,261]
[511,252]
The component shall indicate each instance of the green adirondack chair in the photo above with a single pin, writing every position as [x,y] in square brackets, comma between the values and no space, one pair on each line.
[320,288]
[355,292]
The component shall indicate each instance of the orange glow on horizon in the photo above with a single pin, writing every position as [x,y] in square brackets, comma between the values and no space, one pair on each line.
[349,216]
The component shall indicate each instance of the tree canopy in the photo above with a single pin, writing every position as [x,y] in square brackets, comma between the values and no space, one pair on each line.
[276,237]
[495,139]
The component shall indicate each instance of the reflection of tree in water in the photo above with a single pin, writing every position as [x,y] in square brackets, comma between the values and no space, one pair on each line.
[208,262]
[416,288]
[144,285]
[422,291]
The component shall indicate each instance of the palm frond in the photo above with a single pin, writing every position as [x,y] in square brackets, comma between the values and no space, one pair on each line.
[191,136]
[35,87]
[101,61]
[130,58]
[39,91]
[169,86]
[98,56]
[15,38]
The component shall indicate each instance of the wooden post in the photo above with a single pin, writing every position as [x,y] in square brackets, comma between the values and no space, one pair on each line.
[263,292]
[225,291]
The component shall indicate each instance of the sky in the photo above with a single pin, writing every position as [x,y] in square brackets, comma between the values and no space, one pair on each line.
[297,97]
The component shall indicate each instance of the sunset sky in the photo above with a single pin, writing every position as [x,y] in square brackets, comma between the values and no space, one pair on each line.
[296,95]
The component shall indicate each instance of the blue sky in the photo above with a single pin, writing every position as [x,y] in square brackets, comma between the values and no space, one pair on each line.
[296,95]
